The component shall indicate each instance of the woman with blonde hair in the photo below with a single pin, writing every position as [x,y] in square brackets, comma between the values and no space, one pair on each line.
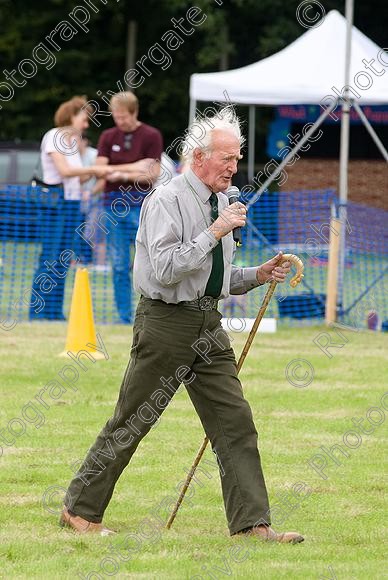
[62,173]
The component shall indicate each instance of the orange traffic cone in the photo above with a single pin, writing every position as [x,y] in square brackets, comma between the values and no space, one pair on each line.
[81,333]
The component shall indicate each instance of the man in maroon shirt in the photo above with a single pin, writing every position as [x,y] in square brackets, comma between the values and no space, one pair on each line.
[136,149]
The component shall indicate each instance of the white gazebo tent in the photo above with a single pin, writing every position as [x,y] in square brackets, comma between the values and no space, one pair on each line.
[331,64]
[306,72]
[303,72]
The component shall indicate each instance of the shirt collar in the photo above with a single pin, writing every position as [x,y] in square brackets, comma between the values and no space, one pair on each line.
[200,188]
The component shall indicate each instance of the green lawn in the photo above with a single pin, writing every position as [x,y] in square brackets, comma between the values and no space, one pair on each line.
[342,516]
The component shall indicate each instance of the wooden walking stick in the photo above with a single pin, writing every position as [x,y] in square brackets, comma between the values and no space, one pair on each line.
[295,261]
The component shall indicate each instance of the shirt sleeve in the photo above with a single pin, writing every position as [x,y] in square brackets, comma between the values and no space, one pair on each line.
[103,146]
[49,142]
[243,279]
[172,260]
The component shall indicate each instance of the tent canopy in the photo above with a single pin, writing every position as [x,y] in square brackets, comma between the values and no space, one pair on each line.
[303,72]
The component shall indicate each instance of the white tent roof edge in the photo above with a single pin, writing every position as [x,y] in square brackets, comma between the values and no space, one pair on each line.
[305,72]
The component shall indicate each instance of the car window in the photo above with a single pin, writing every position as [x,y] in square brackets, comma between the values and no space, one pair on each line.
[26,163]
[5,162]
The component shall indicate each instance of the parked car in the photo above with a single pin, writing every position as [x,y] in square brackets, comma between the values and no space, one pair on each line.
[17,162]
[19,218]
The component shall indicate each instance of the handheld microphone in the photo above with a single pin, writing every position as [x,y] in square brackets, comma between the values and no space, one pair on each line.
[233,194]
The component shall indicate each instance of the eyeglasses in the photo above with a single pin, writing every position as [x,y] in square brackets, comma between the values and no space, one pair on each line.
[128,141]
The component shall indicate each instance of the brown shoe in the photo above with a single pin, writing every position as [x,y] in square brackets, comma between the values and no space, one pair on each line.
[268,534]
[82,526]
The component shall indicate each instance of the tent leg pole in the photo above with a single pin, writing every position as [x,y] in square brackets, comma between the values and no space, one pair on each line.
[344,151]
[193,106]
[251,143]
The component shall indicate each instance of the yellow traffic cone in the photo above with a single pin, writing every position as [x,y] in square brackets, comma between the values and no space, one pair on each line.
[81,333]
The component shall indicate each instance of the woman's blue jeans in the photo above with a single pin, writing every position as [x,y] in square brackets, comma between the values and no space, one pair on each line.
[57,234]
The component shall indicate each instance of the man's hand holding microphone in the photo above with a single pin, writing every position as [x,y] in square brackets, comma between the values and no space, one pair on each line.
[234,217]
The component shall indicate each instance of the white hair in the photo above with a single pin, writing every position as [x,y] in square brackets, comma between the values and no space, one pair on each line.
[199,134]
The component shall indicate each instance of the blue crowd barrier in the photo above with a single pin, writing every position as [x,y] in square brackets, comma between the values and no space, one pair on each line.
[34,235]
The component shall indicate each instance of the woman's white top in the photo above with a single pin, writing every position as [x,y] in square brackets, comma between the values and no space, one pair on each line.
[62,141]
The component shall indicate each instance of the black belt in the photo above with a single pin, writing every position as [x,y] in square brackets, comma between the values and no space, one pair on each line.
[204,303]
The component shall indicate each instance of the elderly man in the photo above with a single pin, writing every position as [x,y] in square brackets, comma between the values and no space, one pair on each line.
[183,267]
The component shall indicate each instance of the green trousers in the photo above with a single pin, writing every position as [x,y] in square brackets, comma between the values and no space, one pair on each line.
[174,344]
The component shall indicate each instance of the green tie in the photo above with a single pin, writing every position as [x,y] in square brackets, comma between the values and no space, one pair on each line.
[214,284]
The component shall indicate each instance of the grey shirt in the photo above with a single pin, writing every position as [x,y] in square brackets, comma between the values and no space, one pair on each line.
[173,257]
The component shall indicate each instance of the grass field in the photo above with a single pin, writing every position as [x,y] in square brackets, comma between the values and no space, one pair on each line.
[342,516]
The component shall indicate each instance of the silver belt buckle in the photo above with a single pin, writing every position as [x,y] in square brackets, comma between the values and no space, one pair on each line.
[206,303]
